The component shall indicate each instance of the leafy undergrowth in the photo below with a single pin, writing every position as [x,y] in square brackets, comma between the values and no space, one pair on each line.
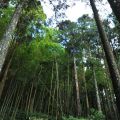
[70,118]
[73,118]
[94,115]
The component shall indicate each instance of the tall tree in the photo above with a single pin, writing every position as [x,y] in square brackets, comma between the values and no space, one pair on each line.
[96,90]
[77,89]
[7,38]
[114,73]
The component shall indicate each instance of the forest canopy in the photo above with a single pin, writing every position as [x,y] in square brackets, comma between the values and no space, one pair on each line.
[59,69]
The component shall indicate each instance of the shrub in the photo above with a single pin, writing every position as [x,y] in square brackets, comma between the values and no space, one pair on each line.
[96,115]
[73,118]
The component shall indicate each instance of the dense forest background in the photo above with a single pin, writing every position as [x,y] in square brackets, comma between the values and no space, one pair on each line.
[58,70]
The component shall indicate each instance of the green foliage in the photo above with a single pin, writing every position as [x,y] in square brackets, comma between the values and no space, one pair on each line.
[96,115]
[28,57]
[35,59]
[5,16]
[46,50]
[73,118]
[30,22]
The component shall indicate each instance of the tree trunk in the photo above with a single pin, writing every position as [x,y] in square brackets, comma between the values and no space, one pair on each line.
[7,37]
[86,93]
[5,45]
[115,5]
[114,73]
[51,89]
[68,86]
[57,92]
[97,91]
[7,63]
[77,88]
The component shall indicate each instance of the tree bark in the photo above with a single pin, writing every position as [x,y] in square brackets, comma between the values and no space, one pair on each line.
[77,88]
[5,45]
[7,63]
[97,91]
[57,92]
[86,93]
[114,73]
[7,37]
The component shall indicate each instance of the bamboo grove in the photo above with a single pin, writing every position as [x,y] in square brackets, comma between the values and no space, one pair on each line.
[67,72]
